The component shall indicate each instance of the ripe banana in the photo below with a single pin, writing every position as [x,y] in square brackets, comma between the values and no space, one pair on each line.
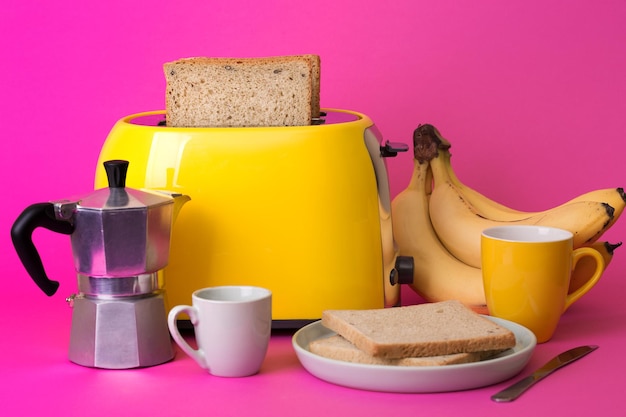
[490,209]
[459,226]
[486,207]
[437,275]
[586,266]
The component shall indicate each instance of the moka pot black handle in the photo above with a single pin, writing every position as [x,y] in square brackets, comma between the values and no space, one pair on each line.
[34,216]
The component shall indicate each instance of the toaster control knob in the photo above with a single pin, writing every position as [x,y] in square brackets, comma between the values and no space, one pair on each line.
[402,273]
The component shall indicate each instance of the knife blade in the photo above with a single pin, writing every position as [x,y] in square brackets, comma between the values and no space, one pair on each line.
[565,358]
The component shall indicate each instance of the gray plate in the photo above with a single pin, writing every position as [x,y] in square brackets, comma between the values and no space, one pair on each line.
[421,379]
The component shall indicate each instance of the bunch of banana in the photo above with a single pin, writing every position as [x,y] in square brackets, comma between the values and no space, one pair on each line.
[439,220]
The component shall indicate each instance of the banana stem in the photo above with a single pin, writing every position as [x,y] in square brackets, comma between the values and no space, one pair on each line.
[610,247]
[426,143]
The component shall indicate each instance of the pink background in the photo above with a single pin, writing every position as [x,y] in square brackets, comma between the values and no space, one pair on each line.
[531,93]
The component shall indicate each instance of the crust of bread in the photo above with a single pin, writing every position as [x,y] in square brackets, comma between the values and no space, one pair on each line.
[316,69]
[242,92]
[338,348]
[430,329]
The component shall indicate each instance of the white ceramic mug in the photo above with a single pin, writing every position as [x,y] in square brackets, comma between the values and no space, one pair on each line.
[232,327]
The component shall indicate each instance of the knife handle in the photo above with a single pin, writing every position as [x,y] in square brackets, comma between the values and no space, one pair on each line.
[559,361]
[515,390]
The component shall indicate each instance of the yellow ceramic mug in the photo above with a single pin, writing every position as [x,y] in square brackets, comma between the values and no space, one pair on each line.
[526,274]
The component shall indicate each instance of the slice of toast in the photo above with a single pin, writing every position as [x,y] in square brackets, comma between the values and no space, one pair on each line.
[242,92]
[336,347]
[430,329]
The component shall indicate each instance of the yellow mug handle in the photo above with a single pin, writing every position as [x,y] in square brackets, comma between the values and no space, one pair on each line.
[577,254]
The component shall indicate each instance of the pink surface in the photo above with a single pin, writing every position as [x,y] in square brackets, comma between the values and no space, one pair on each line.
[38,380]
[530,93]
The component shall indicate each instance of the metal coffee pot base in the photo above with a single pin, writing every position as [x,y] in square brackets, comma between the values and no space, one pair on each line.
[120,333]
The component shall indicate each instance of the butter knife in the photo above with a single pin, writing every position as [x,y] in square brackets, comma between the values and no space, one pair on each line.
[565,358]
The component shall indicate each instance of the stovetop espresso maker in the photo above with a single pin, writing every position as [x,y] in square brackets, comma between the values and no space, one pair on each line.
[120,241]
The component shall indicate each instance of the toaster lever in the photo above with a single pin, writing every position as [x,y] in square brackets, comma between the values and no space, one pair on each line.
[391,149]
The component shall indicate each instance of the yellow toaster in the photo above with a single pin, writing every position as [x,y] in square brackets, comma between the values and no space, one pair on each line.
[303,211]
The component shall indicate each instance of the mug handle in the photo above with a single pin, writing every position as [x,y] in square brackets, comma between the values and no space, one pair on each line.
[577,254]
[196,354]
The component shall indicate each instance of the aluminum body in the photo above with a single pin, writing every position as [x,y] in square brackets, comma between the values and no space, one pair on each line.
[120,332]
[119,232]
